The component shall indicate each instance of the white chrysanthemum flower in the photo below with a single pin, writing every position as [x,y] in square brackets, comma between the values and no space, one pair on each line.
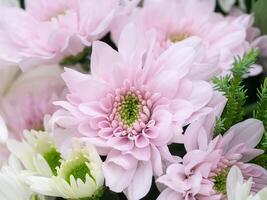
[80,176]
[12,183]
[38,153]
[238,189]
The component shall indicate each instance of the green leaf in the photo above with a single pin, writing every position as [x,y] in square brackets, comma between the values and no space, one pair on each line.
[261,113]
[259,10]
[232,88]
[219,126]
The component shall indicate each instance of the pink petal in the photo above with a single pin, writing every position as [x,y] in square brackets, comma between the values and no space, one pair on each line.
[197,97]
[141,141]
[121,143]
[140,153]
[248,132]
[142,180]
[118,178]
[182,109]
[170,195]
[179,57]
[156,161]
[92,109]
[132,46]
[85,129]
[97,88]
[103,68]
[163,83]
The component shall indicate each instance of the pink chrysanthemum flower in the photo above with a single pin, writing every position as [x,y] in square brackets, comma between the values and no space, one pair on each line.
[203,173]
[177,20]
[133,105]
[50,29]
[27,97]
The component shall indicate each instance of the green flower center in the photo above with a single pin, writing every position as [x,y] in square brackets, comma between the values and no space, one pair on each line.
[34,197]
[79,172]
[53,158]
[220,181]
[78,168]
[178,37]
[129,109]
[46,147]
[261,161]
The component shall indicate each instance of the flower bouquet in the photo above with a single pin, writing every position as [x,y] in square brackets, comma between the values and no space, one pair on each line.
[131,99]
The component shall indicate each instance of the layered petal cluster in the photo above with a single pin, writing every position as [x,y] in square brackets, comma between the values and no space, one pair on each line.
[49,30]
[27,97]
[224,37]
[134,104]
[11,180]
[203,172]
[239,189]
[79,176]
[37,152]
[49,172]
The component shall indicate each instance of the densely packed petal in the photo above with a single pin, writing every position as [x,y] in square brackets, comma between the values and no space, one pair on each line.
[50,30]
[223,37]
[138,104]
[204,169]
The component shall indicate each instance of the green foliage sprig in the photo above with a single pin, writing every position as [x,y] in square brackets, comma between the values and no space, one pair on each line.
[261,113]
[231,86]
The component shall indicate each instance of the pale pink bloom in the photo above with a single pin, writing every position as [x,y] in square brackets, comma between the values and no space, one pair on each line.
[177,20]
[203,172]
[253,34]
[51,29]
[133,105]
[27,97]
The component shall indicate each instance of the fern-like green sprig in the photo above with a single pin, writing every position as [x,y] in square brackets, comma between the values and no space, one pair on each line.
[231,86]
[261,112]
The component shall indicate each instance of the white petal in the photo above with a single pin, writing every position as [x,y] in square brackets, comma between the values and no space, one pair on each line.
[3,131]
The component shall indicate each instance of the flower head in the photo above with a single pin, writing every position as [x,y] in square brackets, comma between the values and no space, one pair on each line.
[223,37]
[79,176]
[50,30]
[11,179]
[133,105]
[38,154]
[25,99]
[48,171]
[207,162]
